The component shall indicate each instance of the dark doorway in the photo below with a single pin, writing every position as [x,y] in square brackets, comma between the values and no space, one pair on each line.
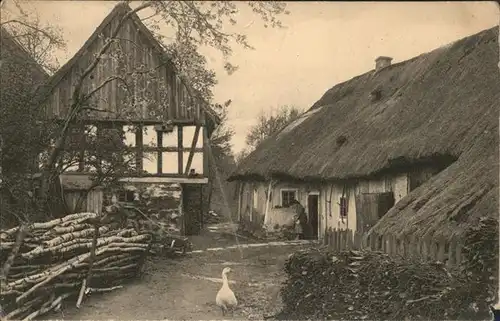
[312,209]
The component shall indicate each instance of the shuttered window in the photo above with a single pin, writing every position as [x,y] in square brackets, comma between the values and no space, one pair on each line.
[343,207]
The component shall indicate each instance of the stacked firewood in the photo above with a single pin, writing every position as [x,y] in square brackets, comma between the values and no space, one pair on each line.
[46,263]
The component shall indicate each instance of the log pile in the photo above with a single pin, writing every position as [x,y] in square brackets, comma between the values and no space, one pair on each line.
[47,263]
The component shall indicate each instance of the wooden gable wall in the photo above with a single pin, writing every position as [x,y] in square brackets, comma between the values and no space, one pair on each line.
[162,89]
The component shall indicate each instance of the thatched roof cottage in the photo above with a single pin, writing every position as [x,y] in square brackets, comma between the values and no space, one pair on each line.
[409,148]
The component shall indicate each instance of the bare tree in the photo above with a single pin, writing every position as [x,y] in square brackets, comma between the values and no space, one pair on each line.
[269,124]
[40,39]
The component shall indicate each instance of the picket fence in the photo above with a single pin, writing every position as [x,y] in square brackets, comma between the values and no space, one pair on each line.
[443,250]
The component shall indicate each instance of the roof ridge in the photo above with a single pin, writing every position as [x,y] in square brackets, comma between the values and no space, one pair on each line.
[444,47]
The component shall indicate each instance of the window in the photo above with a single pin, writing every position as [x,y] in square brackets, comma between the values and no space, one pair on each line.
[343,207]
[287,196]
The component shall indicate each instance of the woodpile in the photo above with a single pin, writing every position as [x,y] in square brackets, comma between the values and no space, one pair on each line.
[47,263]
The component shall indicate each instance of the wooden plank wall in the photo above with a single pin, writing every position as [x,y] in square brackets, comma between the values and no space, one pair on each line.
[95,200]
[164,89]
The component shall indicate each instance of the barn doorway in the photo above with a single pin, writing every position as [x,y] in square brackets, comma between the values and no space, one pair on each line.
[312,209]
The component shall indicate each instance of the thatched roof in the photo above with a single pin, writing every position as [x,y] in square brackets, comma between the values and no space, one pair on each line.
[120,10]
[443,103]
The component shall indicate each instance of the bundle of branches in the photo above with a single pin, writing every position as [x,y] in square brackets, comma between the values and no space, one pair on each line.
[165,240]
[255,229]
[480,265]
[211,217]
[371,285]
[251,229]
[46,263]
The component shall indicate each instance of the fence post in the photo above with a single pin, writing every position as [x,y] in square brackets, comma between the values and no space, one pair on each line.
[424,248]
[458,254]
[358,241]
[412,246]
[388,244]
[441,250]
[334,239]
[343,239]
[399,244]
[394,245]
[373,241]
[452,252]
[434,249]
[350,239]
[339,239]
[404,247]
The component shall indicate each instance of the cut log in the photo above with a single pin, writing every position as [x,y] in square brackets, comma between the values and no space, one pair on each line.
[45,309]
[23,229]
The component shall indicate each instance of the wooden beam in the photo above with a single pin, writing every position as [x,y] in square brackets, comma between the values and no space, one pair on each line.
[145,122]
[268,201]
[251,201]
[139,149]
[206,151]
[192,151]
[240,198]
[166,179]
[171,149]
[99,130]
[182,218]
[159,158]
[180,150]
[163,175]
[81,152]
[201,207]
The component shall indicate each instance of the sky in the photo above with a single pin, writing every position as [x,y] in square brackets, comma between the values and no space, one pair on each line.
[322,44]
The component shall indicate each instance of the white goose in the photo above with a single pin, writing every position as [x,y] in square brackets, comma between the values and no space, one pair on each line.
[225,298]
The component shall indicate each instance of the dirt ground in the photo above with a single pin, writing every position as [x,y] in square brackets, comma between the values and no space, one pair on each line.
[185,288]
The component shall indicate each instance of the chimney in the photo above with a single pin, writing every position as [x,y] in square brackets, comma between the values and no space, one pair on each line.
[382,62]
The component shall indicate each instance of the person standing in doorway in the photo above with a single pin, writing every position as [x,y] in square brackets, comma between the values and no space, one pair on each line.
[300,219]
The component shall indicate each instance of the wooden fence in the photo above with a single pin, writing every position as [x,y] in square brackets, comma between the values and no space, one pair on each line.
[448,251]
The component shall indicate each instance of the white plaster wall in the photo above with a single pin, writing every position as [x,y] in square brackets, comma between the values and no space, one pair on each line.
[331,208]
[400,186]
[377,186]
[329,212]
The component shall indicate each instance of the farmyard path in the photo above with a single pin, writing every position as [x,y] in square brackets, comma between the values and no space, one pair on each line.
[185,288]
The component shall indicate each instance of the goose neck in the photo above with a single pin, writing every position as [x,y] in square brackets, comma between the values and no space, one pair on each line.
[224,279]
